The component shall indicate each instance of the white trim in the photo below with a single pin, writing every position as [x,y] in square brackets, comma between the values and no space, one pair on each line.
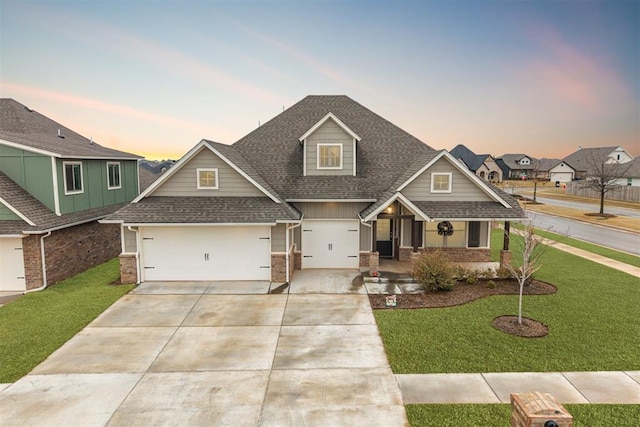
[331,200]
[354,157]
[195,224]
[329,144]
[17,212]
[323,120]
[56,195]
[60,156]
[12,236]
[448,174]
[64,176]
[406,202]
[115,187]
[480,183]
[212,187]
[304,158]
[476,219]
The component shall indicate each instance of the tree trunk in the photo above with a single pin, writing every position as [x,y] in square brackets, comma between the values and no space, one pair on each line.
[535,189]
[520,302]
[602,202]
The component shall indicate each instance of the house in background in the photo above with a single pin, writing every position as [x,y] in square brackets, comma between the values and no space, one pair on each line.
[561,172]
[483,165]
[630,173]
[516,166]
[54,186]
[583,159]
[325,184]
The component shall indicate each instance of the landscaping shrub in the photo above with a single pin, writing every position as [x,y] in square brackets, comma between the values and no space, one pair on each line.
[434,272]
[491,284]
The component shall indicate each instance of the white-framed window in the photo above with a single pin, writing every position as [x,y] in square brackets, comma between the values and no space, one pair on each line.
[207,178]
[113,175]
[72,177]
[441,182]
[329,156]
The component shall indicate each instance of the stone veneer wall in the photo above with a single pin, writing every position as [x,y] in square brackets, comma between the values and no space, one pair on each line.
[278,268]
[364,259]
[128,268]
[405,253]
[505,257]
[297,260]
[70,251]
[461,254]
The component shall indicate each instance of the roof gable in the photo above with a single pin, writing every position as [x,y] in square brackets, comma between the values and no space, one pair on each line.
[330,116]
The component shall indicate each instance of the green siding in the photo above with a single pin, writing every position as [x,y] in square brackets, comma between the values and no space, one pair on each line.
[7,214]
[95,185]
[30,171]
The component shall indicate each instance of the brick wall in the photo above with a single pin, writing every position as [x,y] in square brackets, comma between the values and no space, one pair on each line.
[364,259]
[297,260]
[32,261]
[128,269]
[463,254]
[505,257]
[404,253]
[374,262]
[278,268]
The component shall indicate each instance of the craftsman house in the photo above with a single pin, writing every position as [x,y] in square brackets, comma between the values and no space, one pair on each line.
[483,165]
[325,184]
[516,166]
[54,186]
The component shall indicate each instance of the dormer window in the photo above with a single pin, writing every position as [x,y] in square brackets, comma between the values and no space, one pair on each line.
[207,178]
[329,156]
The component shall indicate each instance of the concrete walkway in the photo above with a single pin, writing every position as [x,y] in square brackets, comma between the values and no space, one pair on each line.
[567,387]
[218,354]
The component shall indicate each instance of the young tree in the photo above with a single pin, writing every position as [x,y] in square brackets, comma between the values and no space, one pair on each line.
[603,177]
[529,249]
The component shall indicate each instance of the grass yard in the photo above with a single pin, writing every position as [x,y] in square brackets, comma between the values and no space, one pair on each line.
[593,325]
[35,325]
[498,415]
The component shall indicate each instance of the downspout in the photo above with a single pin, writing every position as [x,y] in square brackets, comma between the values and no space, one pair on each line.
[44,266]
[370,226]
[137,252]
[288,249]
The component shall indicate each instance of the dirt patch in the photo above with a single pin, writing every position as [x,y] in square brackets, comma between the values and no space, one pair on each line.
[600,215]
[529,328]
[462,293]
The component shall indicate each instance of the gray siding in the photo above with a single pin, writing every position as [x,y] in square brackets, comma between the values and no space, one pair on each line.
[331,210]
[330,133]
[230,182]
[278,238]
[130,243]
[462,189]
[296,238]
[365,238]
[484,234]
[406,232]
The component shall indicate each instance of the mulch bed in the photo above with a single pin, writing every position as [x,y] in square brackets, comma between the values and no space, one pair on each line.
[529,328]
[462,293]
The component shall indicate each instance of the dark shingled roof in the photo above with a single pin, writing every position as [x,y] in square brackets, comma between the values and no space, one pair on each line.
[43,218]
[27,127]
[194,210]
[471,159]
[470,210]
[581,160]
[382,154]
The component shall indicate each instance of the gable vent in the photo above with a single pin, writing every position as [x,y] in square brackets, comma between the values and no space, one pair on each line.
[60,135]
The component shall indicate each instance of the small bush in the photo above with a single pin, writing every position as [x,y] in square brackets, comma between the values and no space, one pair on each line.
[434,272]
[503,273]
[491,284]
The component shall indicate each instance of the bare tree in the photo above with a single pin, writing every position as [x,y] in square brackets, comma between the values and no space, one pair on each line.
[529,250]
[603,177]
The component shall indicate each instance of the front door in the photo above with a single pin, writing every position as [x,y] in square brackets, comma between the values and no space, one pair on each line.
[384,237]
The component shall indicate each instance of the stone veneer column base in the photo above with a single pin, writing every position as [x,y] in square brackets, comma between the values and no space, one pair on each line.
[505,258]
[374,262]
[463,254]
[278,268]
[128,269]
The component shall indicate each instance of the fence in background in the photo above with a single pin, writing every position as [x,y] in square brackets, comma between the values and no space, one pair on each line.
[624,193]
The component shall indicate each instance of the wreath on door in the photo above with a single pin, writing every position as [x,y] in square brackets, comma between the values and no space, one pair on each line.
[445,228]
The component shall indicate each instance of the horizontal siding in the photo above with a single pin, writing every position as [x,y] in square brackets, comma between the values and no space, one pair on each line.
[230,183]
[278,238]
[463,189]
[130,243]
[330,210]
[330,133]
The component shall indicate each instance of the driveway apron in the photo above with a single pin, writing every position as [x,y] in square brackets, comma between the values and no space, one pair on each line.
[198,353]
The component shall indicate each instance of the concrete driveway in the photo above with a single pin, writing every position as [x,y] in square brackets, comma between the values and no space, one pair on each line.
[219,354]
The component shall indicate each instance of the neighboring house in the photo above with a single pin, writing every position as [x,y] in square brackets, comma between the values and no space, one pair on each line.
[147,177]
[561,172]
[483,165]
[630,172]
[54,186]
[325,184]
[516,166]
[156,166]
[583,159]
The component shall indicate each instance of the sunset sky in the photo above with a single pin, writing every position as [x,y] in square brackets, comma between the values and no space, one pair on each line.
[155,77]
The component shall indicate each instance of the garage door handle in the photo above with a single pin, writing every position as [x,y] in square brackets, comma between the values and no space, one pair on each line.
[330,246]
[352,256]
[353,230]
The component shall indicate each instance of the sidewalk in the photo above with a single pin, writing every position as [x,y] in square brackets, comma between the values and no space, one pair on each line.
[567,387]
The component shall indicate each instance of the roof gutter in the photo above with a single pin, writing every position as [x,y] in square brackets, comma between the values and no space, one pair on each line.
[44,266]
[60,227]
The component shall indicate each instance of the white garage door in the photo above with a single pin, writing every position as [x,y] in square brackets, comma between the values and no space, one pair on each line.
[330,244]
[11,265]
[561,176]
[206,253]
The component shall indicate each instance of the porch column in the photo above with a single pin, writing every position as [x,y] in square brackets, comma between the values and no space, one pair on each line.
[505,243]
[374,236]
[414,235]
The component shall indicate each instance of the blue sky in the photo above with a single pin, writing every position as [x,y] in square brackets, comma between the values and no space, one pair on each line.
[155,77]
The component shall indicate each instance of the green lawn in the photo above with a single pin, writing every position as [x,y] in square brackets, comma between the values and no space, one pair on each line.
[35,325]
[498,415]
[593,325]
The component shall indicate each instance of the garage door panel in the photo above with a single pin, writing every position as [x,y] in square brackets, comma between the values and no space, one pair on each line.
[206,253]
[330,244]
[11,265]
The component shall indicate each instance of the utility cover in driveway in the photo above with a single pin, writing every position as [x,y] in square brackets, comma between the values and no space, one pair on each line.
[206,253]
[330,244]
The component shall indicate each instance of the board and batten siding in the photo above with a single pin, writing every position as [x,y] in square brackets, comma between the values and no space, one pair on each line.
[278,238]
[330,133]
[130,242]
[30,171]
[185,182]
[331,210]
[365,238]
[463,189]
[7,214]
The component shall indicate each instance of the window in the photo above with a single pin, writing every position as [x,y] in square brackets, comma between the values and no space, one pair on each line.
[207,179]
[441,182]
[329,156]
[72,177]
[629,182]
[113,175]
